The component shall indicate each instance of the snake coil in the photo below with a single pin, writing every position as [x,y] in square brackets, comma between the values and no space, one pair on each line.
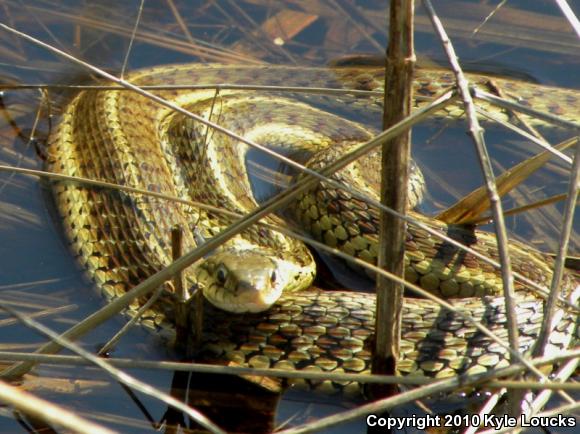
[120,238]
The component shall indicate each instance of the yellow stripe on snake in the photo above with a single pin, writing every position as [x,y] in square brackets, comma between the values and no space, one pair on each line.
[120,238]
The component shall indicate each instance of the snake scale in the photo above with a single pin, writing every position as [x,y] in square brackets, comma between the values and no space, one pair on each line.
[121,238]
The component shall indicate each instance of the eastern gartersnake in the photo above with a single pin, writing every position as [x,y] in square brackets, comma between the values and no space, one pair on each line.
[120,239]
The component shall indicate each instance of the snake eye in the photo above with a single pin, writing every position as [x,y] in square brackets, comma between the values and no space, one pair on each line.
[273,277]
[221,275]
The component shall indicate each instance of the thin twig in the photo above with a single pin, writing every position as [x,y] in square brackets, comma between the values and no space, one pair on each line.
[569,209]
[541,143]
[201,86]
[572,386]
[218,369]
[361,29]
[40,23]
[300,374]
[488,17]
[40,314]
[511,105]
[180,21]
[29,139]
[477,134]
[129,324]
[520,209]
[570,16]
[132,38]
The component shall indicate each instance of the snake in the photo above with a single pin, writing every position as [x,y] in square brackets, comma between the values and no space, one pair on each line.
[263,310]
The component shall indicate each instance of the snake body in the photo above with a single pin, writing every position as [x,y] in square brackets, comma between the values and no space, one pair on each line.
[120,238]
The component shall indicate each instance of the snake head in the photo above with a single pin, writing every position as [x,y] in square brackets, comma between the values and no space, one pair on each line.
[240,280]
